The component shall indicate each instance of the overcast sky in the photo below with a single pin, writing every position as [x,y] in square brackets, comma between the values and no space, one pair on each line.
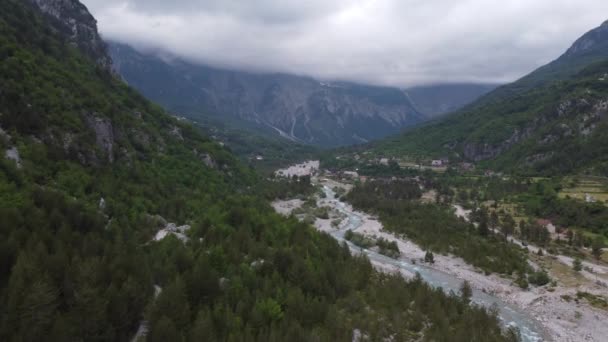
[391,42]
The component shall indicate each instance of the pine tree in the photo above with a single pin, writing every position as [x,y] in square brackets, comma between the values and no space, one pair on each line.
[466,292]
[482,215]
[570,236]
[508,226]
[596,247]
[203,329]
[524,230]
[494,221]
[577,265]
[38,310]
[483,228]
[164,330]
[173,303]
[429,257]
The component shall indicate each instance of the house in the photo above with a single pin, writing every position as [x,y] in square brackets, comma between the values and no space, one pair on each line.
[384,161]
[350,174]
[490,173]
[437,163]
[562,233]
[547,224]
[467,166]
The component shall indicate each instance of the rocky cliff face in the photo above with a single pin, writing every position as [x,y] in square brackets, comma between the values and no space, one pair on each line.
[298,108]
[104,134]
[572,120]
[74,21]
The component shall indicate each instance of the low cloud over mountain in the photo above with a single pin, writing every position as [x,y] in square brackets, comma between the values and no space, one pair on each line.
[391,42]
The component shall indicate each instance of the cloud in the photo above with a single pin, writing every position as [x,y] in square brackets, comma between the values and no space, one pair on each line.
[388,42]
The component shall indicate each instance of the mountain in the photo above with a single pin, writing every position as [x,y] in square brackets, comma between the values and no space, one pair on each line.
[590,48]
[92,172]
[299,108]
[550,121]
[439,99]
[78,27]
[264,152]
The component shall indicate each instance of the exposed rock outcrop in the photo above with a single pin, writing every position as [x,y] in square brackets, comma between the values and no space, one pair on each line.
[206,158]
[176,132]
[482,151]
[585,113]
[3,134]
[104,134]
[593,40]
[13,154]
[173,229]
[74,21]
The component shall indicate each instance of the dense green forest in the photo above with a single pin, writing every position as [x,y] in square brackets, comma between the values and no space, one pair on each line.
[273,152]
[99,169]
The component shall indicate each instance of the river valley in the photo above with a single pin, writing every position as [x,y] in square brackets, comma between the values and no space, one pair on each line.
[540,314]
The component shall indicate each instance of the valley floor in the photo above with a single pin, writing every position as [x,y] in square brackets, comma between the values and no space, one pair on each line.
[557,309]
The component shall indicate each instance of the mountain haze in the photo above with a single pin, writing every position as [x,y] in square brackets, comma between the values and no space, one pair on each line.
[590,48]
[298,108]
[439,99]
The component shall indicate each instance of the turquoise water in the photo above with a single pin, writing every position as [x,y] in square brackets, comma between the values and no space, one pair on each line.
[510,315]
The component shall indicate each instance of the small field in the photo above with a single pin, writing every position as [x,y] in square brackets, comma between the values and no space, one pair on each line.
[412,165]
[564,274]
[586,188]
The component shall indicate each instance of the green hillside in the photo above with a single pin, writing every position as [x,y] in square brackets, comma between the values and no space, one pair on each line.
[549,122]
[590,48]
[92,170]
[554,129]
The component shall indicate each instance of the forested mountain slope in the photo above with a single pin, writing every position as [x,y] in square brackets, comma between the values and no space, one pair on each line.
[91,170]
[555,125]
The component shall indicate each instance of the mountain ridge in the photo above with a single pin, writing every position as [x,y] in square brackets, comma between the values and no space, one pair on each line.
[73,20]
[301,108]
[568,64]
[589,42]
[439,99]
[550,121]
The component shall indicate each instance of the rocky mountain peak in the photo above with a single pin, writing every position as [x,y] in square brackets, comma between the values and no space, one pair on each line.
[593,41]
[79,27]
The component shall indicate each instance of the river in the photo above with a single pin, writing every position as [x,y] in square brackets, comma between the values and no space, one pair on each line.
[510,315]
